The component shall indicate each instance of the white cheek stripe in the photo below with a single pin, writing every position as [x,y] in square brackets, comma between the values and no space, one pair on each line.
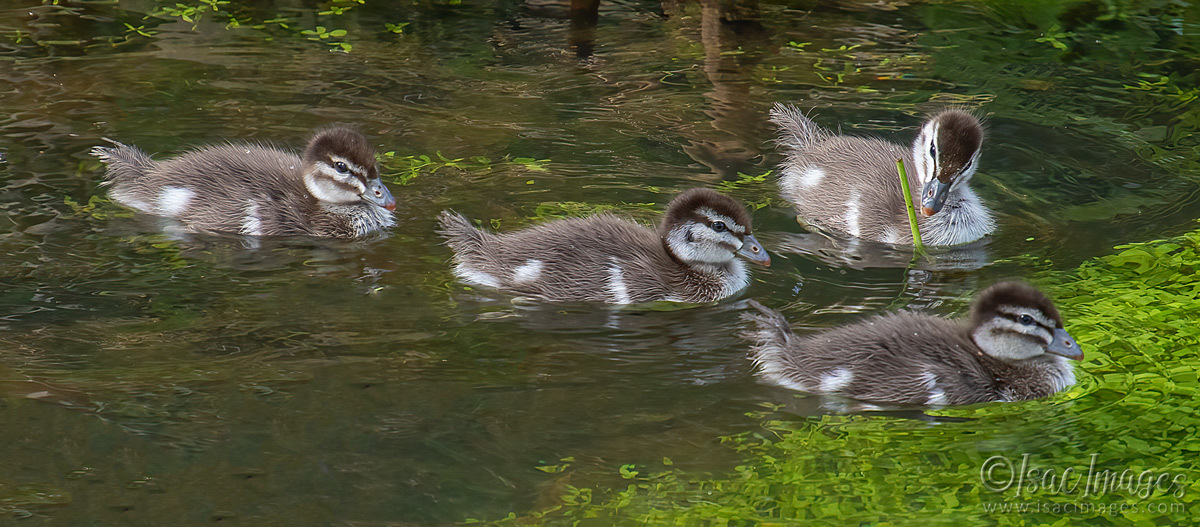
[1034,330]
[348,179]
[321,184]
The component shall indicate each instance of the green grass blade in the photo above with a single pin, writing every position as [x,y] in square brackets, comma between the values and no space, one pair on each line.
[912,213]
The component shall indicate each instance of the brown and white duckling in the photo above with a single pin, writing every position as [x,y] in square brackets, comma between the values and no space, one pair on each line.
[1012,348]
[849,184]
[250,189]
[602,258]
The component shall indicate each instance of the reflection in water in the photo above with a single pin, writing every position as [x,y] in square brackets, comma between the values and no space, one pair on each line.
[806,406]
[148,377]
[726,28]
[855,253]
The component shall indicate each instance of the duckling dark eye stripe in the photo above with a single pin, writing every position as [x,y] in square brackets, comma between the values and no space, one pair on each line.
[1013,313]
[356,170]
[340,179]
[714,216]
[1016,320]
[1034,339]
[933,142]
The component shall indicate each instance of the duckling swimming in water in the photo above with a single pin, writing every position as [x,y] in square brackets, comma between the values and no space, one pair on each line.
[254,190]
[602,258]
[850,184]
[1012,348]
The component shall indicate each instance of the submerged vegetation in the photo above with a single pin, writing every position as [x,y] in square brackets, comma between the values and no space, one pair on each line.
[223,353]
[1133,314]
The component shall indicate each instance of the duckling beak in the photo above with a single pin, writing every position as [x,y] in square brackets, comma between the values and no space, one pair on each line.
[753,251]
[933,196]
[1065,346]
[378,194]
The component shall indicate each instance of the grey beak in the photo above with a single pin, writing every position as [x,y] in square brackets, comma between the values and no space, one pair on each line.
[933,196]
[753,251]
[378,194]
[1065,346]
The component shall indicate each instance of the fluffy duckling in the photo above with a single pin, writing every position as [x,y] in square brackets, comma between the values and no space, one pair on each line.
[602,258]
[254,190]
[1013,348]
[849,184]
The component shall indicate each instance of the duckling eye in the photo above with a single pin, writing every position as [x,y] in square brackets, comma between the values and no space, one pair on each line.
[719,226]
[341,167]
[1025,319]
[933,150]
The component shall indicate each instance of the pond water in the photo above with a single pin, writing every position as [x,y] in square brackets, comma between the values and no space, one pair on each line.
[149,379]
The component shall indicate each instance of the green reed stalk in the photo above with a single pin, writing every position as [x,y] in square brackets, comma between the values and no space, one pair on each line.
[912,213]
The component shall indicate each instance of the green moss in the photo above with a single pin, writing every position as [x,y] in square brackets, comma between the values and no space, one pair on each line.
[1133,408]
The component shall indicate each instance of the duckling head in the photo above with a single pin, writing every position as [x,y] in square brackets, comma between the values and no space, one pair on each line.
[703,227]
[946,155]
[340,168]
[1012,321]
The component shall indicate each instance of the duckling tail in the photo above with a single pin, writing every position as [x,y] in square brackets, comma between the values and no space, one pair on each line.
[772,329]
[125,163]
[796,130]
[773,349]
[465,239]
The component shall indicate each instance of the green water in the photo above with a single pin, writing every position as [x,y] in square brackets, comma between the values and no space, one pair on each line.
[148,379]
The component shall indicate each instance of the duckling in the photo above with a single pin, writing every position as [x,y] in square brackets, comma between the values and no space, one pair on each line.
[849,184]
[602,258]
[1013,348]
[254,190]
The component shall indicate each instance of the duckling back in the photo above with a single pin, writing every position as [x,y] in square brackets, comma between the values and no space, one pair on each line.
[850,184]
[843,183]
[243,189]
[595,259]
[255,190]
[902,358]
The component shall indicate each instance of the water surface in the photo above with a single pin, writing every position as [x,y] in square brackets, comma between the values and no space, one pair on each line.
[152,379]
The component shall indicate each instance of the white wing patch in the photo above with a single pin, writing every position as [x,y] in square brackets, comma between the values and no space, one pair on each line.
[812,176]
[616,284]
[936,395]
[528,271]
[251,223]
[836,380]
[852,227]
[472,276]
[174,200]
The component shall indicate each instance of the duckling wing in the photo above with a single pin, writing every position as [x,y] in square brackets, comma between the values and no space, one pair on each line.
[597,259]
[900,358]
[850,184]
[238,188]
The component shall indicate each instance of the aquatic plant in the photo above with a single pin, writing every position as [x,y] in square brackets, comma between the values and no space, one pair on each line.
[1133,314]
